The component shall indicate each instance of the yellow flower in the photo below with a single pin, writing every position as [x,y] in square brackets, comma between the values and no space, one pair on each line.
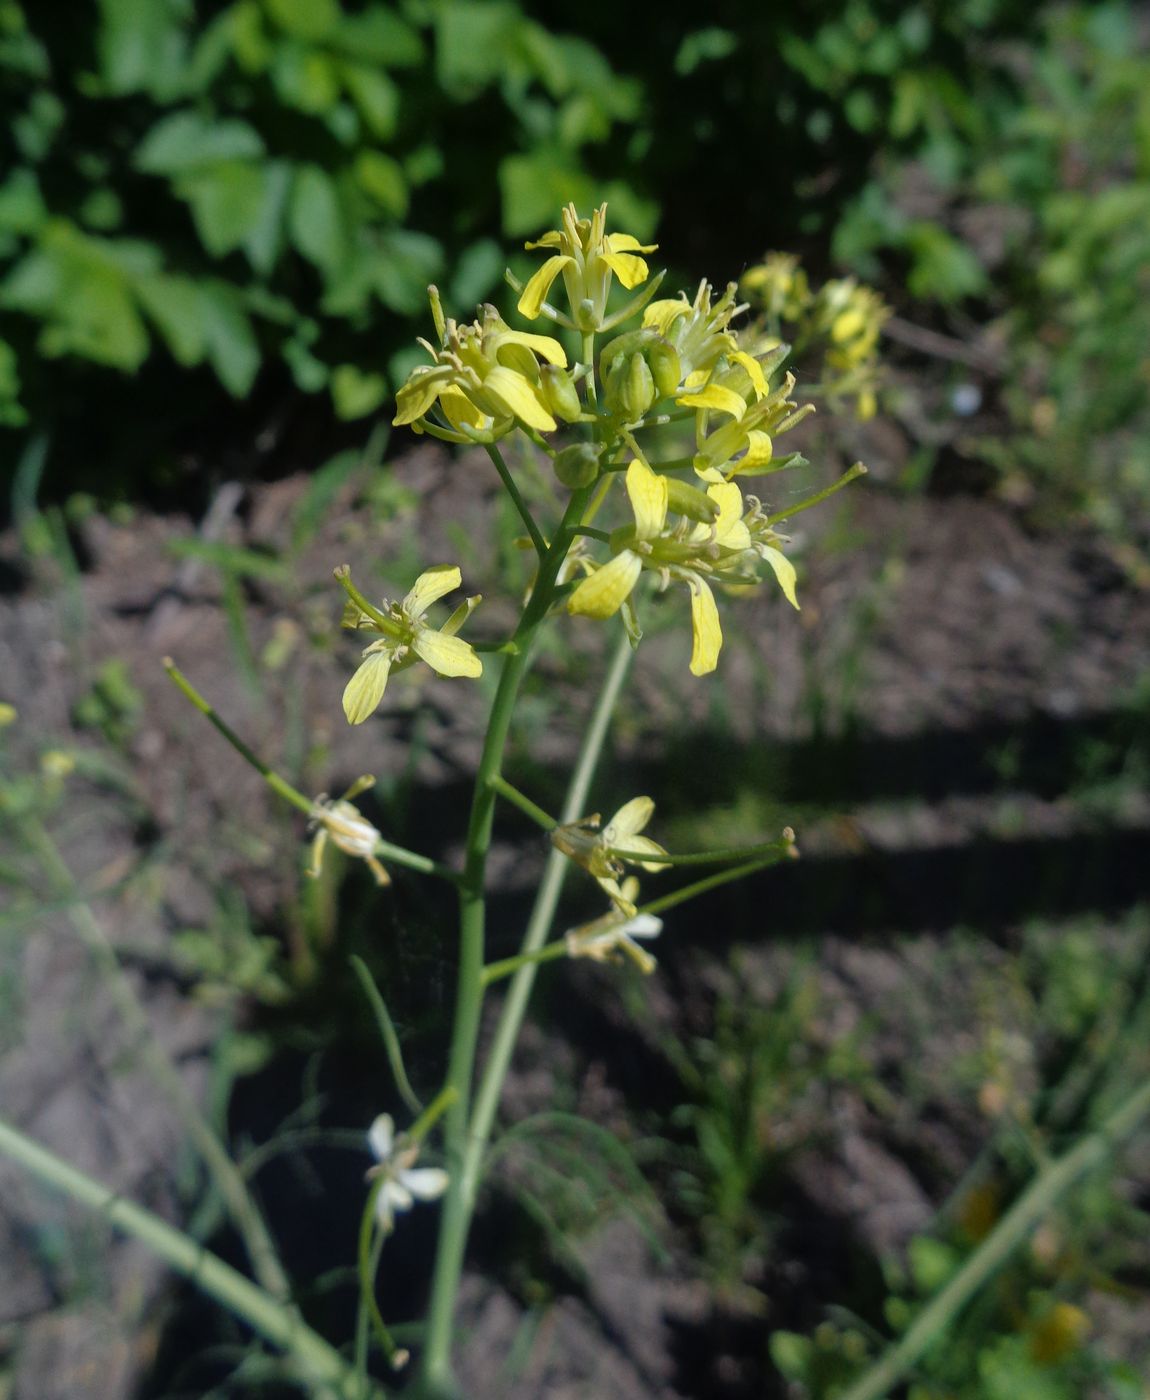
[611,938]
[341,822]
[405,637]
[602,852]
[690,551]
[778,286]
[484,377]
[8,714]
[587,257]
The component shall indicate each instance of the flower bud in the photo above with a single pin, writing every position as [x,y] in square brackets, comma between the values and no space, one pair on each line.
[630,387]
[687,500]
[560,392]
[577,465]
[663,359]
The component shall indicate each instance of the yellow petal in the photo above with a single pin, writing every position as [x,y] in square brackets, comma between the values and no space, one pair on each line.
[545,346]
[648,493]
[707,635]
[663,314]
[717,397]
[552,239]
[631,818]
[365,689]
[604,592]
[643,845]
[450,656]
[629,269]
[784,572]
[754,372]
[431,585]
[628,243]
[458,409]
[730,531]
[520,397]
[417,395]
[535,293]
[760,450]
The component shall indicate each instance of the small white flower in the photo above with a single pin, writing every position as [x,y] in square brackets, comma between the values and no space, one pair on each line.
[612,937]
[341,822]
[403,1183]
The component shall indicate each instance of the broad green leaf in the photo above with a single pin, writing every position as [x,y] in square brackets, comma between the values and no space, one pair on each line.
[534,186]
[142,46]
[316,219]
[407,262]
[381,177]
[22,209]
[305,19]
[186,141]
[228,336]
[356,392]
[375,96]
[227,203]
[96,318]
[305,78]
[378,35]
[472,37]
[310,374]
[175,307]
[265,239]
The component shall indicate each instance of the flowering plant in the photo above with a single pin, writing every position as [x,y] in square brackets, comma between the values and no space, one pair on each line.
[653,414]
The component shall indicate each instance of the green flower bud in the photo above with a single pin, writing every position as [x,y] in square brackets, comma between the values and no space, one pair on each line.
[687,500]
[577,465]
[560,392]
[630,387]
[663,359]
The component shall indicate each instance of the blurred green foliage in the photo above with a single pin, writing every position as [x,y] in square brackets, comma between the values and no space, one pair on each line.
[249,198]
[235,186]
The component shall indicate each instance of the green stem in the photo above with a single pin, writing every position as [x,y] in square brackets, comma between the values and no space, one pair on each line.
[225,1175]
[847,477]
[1037,1200]
[523,802]
[398,855]
[459,1203]
[506,967]
[520,504]
[277,1323]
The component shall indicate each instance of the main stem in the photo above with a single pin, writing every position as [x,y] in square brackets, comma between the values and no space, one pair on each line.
[459,1204]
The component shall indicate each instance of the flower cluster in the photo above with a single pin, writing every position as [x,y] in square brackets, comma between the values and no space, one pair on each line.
[484,380]
[840,323]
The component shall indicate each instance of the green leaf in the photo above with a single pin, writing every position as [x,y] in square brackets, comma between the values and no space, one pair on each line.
[375,96]
[305,79]
[932,1263]
[96,318]
[305,19]
[791,1353]
[407,262]
[381,177]
[142,46]
[229,338]
[265,239]
[310,374]
[187,141]
[477,270]
[175,307]
[356,392]
[316,219]
[704,46]
[22,209]
[379,36]
[471,42]
[227,203]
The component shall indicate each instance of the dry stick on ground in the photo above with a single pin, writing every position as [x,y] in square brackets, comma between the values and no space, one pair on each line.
[941,347]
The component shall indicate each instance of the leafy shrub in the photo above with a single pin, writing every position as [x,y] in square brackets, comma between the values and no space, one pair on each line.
[249,189]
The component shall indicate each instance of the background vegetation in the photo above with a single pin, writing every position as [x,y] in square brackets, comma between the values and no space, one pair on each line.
[217,223]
